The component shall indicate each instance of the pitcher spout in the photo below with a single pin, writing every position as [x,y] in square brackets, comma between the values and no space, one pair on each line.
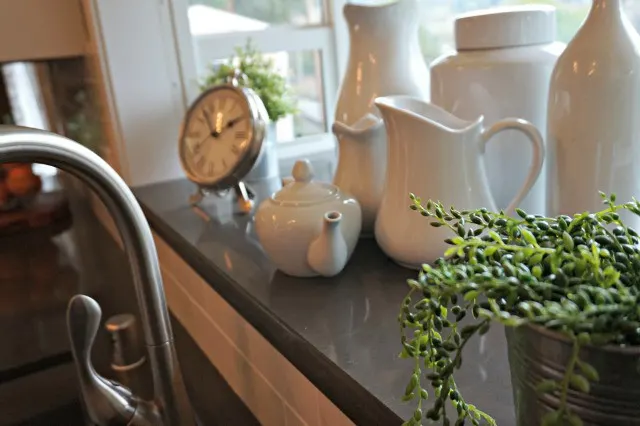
[361,130]
[413,109]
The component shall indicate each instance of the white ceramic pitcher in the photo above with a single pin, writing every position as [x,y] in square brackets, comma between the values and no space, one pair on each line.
[384,59]
[437,156]
[361,164]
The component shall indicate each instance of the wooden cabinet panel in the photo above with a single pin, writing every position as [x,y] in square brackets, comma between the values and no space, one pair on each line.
[41,29]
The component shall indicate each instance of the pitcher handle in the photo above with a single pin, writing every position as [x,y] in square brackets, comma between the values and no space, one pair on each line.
[535,138]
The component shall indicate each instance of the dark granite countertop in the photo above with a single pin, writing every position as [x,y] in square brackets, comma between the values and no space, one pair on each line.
[340,332]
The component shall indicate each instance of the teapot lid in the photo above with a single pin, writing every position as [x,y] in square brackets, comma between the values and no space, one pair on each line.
[303,190]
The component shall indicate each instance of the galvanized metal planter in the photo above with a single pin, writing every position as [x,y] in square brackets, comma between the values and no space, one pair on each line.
[536,353]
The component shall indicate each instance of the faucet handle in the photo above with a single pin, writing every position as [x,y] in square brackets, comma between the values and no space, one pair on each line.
[106,401]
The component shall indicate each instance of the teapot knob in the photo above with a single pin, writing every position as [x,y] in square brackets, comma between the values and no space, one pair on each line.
[303,171]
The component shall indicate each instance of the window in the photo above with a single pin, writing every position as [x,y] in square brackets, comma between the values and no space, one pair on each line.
[296,34]
[436,36]
[306,40]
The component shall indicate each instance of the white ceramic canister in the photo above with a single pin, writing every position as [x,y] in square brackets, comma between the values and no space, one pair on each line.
[594,115]
[501,69]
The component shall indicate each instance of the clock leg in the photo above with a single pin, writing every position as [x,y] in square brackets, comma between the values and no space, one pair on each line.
[244,198]
[196,197]
[194,201]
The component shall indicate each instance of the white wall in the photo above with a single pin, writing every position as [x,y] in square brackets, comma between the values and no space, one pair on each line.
[141,65]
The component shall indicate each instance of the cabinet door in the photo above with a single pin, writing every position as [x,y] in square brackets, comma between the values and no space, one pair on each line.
[41,29]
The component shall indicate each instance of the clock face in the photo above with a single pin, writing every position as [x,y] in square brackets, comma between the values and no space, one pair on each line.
[217,135]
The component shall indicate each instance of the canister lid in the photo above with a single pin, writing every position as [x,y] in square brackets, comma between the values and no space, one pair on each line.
[508,26]
[303,190]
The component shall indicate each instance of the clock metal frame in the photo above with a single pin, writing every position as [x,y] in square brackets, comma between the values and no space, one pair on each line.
[258,123]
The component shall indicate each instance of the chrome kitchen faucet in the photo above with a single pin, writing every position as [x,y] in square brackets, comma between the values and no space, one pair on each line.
[106,401]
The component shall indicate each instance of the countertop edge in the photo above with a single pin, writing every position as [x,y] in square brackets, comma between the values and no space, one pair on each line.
[339,387]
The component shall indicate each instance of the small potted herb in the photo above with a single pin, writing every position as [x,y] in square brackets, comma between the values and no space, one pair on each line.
[261,76]
[566,288]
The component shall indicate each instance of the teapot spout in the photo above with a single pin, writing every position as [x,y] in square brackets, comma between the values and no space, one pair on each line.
[327,254]
[363,129]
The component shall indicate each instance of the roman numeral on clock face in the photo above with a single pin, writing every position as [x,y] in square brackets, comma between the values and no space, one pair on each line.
[241,134]
[200,162]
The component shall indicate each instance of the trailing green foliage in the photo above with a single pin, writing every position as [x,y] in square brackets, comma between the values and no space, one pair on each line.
[262,76]
[579,276]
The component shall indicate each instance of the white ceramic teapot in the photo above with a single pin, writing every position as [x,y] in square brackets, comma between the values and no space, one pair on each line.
[437,156]
[309,228]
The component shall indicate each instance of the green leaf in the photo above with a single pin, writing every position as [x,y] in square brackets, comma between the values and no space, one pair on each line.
[579,383]
[513,321]
[547,386]
[567,241]
[414,284]
[574,420]
[449,346]
[536,259]
[417,415]
[528,237]
[494,235]
[412,384]
[468,331]
[537,271]
[470,296]
[552,418]
[407,398]
[489,251]
[521,213]
[584,339]
[457,240]
[589,371]
[450,251]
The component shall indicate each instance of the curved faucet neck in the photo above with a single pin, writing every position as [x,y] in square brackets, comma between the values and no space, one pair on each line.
[20,144]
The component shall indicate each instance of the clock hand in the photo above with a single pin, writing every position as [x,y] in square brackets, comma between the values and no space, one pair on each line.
[230,123]
[207,117]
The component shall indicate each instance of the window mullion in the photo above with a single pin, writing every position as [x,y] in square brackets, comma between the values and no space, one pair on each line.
[340,40]
[273,39]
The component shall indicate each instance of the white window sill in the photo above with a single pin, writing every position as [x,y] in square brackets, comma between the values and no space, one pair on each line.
[322,145]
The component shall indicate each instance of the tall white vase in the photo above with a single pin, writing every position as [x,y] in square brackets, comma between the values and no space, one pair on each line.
[594,114]
[384,57]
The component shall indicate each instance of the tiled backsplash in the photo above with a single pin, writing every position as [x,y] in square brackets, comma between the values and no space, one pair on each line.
[273,389]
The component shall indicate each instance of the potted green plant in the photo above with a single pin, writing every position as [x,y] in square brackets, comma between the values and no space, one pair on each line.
[261,76]
[566,288]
